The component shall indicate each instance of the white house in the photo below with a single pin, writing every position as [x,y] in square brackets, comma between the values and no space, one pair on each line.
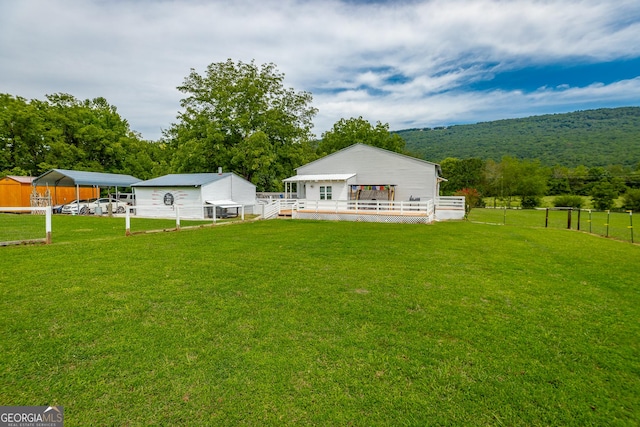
[364,172]
[195,195]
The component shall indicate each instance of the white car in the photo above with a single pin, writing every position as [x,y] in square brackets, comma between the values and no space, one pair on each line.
[103,204]
[90,206]
[77,205]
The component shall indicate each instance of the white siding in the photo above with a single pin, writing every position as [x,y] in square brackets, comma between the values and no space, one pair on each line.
[190,200]
[373,166]
[242,191]
[339,189]
[232,187]
[150,202]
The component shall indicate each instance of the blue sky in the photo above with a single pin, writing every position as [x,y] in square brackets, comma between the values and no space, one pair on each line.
[408,63]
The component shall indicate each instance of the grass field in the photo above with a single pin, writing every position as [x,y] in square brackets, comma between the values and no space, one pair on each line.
[323,323]
[614,224]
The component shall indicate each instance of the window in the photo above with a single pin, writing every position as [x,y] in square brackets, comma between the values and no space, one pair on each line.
[325,192]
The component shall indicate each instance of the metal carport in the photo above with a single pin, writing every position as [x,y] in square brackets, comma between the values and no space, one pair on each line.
[77,179]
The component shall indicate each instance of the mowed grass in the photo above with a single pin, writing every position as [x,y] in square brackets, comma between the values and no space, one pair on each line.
[323,323]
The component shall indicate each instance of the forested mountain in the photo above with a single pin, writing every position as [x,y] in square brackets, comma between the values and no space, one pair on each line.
[608,136]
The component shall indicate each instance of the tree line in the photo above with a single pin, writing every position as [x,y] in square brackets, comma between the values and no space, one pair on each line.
[529,180]
[237,116]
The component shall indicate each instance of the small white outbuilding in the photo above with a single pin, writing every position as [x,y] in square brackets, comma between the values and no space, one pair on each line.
[196,195]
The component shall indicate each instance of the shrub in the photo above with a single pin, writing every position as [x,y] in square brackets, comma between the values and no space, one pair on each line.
[530,202]
[603,195]
[568,201]
[472,198]
[631,200]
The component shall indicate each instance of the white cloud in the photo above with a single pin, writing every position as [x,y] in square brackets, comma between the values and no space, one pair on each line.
[135,53]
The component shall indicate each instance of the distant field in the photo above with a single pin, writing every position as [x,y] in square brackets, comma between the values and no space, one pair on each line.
[546,202]
[615,225]
[323,323]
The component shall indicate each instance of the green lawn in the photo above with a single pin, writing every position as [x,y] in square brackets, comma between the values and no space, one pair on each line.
[323,323]
[22,226]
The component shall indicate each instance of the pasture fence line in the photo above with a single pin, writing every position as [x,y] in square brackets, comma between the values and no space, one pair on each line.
[173,218]
[618,225]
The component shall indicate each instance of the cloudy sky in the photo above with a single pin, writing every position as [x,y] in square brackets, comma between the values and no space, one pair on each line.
[409,63]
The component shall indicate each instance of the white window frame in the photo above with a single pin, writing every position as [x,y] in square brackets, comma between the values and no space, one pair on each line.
[326,192]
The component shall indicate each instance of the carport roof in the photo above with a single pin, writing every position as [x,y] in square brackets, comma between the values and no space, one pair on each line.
[71,178]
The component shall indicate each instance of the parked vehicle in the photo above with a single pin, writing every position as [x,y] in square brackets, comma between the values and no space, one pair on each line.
[128,198]
[93,206]
[77,206]
[102,205]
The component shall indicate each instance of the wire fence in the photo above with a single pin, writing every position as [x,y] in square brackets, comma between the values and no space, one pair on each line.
[617,225]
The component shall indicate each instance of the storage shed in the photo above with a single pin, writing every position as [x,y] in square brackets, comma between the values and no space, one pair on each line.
[195,195]
[17,191]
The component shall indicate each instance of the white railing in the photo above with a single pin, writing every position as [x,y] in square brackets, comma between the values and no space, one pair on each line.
[270,209]
[204,212]
[40,210]
[366,206]
[450,202]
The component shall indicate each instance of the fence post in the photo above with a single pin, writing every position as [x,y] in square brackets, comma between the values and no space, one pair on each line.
[127,221]
[607,224]
[546,218]
[569,215]
[590,222]
[48,212]
[177,217]
[579,211]
[631,224]
[504,208]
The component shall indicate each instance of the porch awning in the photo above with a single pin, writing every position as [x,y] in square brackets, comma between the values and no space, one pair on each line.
[224,203]
[321,177]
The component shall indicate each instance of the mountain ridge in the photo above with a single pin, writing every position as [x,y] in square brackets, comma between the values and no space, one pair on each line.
[598,137]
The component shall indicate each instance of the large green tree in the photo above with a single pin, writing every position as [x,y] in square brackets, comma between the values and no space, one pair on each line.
[241,117]
[512,177]
[346,132]
[23,135]
[64,132]
[462,173]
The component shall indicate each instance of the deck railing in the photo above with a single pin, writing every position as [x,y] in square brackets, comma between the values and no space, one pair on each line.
[365,206]
[450,202]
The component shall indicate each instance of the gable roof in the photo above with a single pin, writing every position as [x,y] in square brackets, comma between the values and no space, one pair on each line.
[21,179]
[71,178]
[184,180]
[378,149]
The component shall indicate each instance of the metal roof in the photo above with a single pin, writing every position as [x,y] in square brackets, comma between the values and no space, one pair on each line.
[321,177]
[183,180]
[22,179]
[71,178]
